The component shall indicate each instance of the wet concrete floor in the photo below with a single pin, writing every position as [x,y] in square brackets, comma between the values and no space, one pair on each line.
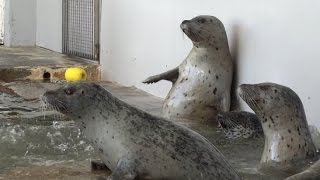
[34,146]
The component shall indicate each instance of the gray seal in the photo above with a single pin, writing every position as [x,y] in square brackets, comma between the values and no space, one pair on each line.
[202,82]
[288,142]
[240,124]
[135,144]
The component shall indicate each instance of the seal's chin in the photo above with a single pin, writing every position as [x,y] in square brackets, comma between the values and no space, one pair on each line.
[195,38]
[248,95]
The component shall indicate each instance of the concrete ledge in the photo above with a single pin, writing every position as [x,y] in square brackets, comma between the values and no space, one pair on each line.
[32,63]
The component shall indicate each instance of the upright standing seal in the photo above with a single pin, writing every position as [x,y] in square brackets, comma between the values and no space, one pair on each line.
[202,82]
[135,144]
[288,142]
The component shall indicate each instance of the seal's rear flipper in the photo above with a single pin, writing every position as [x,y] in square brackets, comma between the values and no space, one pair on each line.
[98,166]
[171,75]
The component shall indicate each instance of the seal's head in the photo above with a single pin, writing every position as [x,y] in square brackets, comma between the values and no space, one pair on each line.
[72,100]
[267,99]
[205,31]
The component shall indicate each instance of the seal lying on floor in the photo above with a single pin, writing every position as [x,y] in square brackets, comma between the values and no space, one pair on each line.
[202,82]
[288,142]
[240,124]
[135,144]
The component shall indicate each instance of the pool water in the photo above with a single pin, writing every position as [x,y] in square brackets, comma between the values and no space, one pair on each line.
[34,146]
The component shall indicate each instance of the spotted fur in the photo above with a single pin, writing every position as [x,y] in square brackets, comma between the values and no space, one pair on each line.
[240,124]
[133,143]
[202,82]
[281,113]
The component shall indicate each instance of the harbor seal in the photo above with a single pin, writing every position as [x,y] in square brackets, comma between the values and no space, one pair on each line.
[288,143]
[202,82]
[240,124]
[134,144]
[312,173]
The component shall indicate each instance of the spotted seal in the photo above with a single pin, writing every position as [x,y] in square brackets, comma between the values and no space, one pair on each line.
[288,143]
[135,144]
[240,124]
[202,82]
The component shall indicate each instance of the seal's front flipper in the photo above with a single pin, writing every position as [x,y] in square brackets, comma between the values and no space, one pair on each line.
[125,170]
[171,75]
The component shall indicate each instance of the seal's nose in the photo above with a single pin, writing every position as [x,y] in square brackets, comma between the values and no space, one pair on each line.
[184,24]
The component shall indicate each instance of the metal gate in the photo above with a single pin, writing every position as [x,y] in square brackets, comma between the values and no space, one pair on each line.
[81,26]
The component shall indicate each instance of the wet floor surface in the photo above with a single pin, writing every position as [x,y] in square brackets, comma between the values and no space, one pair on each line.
[34,146]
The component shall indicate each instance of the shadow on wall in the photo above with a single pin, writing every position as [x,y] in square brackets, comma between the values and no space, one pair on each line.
[235,49]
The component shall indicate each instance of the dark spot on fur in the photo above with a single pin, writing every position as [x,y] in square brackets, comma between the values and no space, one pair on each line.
[93,117]
[289,130]
[298,129]
[217,77]
[271,119]
[209,72]
[112,137]
[217,48]
[100,150]
[79,117]
[215,91]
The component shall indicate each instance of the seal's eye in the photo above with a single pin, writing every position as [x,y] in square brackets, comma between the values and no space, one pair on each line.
[70,91]
[202,20]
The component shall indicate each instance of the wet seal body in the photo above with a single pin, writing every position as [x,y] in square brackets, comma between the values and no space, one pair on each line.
[202,82]
[288,142]
[240,124]
[135,144]
[312,173]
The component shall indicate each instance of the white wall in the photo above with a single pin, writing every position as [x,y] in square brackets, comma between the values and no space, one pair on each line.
[49,24]
[1,20]
[20,23]
[275,41]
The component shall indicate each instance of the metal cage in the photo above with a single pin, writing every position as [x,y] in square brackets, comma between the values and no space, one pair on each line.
[81,26]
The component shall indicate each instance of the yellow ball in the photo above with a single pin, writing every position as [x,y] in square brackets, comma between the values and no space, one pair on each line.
[75,74]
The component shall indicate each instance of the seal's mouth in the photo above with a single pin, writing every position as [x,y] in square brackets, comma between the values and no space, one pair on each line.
[187,29]
[52,104]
